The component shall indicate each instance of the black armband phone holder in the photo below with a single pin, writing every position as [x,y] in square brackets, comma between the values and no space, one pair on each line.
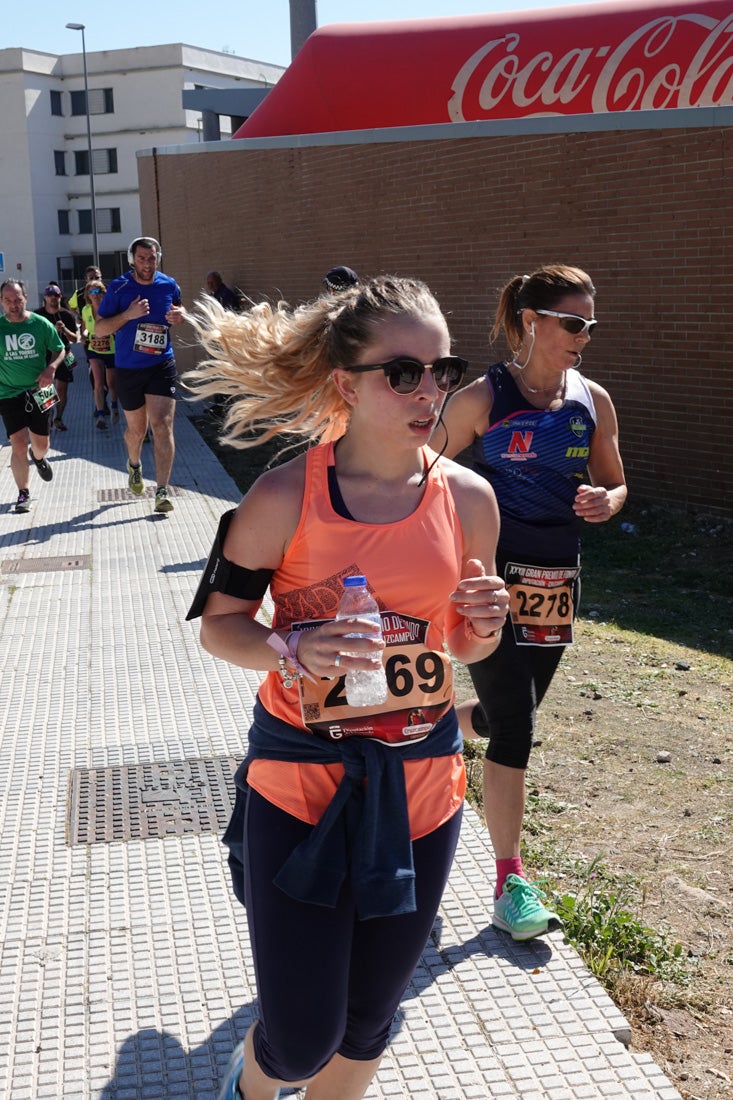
[222,575]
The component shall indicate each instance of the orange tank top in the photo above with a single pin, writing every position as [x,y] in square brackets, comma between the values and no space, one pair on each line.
[307,587]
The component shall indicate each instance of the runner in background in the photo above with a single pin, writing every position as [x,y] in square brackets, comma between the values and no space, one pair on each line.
[64,321]
[31,350]
[546,438]
[101,357]
[339,278]
[138,310]
[76,303]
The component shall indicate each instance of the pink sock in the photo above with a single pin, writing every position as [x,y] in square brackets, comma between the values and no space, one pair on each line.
[505,867]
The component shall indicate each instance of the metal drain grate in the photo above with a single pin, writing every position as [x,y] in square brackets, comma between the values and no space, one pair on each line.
[107,496]
[45,565]
[142,801]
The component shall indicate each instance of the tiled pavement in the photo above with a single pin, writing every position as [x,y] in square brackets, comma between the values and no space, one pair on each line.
[125,971]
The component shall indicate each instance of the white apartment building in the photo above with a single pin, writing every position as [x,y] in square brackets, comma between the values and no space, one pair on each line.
[135,102]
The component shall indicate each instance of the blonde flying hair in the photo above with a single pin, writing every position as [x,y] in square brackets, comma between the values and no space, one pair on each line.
[543,289]
[274,362]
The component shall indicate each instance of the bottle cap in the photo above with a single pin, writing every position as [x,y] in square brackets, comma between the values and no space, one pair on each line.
[354,582]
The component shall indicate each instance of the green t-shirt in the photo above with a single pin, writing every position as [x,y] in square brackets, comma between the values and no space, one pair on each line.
[24,352]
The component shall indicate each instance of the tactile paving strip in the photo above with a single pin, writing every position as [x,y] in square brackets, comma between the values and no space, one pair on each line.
[45,565]
[126,970]
[149,800]
[110,496]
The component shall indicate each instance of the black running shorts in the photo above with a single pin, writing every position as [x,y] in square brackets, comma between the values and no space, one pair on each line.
[22,412]
[133,384]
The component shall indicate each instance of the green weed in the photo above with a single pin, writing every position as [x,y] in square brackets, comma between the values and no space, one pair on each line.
[596,907]
[607,934]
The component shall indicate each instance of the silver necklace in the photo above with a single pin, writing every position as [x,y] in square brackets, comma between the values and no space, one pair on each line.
[531,389]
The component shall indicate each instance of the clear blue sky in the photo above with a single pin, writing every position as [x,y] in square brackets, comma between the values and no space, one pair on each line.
[256,30]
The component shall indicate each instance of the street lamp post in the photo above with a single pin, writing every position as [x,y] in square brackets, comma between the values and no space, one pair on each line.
[81,27]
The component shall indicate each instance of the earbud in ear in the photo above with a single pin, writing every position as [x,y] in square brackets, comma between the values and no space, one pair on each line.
[531,328]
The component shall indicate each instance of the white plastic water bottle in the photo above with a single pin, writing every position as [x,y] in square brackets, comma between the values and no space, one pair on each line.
[364,687]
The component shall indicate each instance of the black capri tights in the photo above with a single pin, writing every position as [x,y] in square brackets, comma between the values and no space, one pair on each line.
[327,982]
[510,685]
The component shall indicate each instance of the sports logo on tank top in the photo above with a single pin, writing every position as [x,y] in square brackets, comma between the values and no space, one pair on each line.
[520,447]
[577,426]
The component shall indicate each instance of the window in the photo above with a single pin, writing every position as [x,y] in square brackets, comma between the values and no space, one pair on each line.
[104,161]
[108,220]
[101,102]
[63,216]
[65,271]
[59,160]
[80,261]
[56,103]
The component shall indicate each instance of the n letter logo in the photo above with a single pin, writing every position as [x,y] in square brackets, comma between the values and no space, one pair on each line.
[520,443]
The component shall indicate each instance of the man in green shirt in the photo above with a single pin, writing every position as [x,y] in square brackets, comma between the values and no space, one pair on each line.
[30,351]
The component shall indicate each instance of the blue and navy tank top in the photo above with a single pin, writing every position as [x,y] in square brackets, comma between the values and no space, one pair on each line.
[535,460]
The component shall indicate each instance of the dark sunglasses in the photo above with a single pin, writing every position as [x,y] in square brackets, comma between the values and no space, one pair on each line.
[95,290]
[404,375]
[571,322]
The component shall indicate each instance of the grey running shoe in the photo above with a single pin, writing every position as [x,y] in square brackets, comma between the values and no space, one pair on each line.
[163,503]
[135,478]
[44,470]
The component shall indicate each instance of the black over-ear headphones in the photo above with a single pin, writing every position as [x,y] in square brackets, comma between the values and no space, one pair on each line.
[139,240]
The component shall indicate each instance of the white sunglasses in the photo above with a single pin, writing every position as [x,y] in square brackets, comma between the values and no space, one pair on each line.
[571,322]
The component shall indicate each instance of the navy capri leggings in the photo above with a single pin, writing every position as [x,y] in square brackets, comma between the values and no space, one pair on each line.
[511,683]
[327,982]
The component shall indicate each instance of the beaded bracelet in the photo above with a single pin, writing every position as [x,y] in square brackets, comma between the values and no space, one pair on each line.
[288,656]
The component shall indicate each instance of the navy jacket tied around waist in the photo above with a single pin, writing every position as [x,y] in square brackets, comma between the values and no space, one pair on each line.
[364,831]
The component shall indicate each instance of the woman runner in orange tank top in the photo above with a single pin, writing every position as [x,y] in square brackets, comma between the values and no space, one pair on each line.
[363,375]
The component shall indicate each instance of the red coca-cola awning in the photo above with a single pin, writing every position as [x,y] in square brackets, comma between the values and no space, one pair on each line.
[589,58]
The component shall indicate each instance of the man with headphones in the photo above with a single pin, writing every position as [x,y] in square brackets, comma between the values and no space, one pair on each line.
[138,310]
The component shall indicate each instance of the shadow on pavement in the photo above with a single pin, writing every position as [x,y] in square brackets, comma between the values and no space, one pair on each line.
[152,1065]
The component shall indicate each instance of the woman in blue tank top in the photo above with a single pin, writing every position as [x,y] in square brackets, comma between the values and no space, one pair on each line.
[547,440]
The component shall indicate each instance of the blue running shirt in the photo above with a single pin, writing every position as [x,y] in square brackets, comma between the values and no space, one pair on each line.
[151,333]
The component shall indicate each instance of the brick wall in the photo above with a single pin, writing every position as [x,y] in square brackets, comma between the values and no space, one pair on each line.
[649,214]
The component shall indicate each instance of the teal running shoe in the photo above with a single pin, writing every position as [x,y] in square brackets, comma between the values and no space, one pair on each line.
[519,910]
[230,1087]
